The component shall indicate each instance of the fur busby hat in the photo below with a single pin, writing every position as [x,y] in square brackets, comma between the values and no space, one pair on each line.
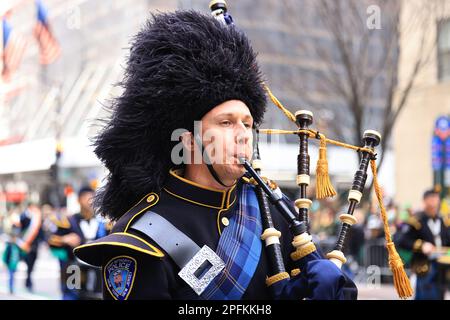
[181,65]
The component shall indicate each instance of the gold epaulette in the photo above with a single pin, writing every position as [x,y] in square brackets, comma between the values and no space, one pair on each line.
[91,253]
[62,223]
[133,213]
[120,239]
[412,221]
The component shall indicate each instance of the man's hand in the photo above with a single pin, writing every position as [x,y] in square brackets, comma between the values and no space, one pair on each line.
[56,241]
[428,248]
[24,246]
[71,239]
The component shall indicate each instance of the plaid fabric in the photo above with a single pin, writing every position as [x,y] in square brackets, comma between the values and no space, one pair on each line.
[239,247]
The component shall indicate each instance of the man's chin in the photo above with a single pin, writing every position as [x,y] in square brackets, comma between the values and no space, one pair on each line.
[234,171]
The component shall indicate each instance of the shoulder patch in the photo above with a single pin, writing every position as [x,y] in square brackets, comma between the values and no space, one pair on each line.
[119,274]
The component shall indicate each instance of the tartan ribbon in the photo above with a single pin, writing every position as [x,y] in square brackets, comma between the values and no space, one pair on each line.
[239,247]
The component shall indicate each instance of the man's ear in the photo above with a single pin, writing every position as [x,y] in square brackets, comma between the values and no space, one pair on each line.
[187,138]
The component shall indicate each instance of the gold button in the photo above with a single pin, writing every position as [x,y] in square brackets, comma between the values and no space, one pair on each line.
[225,221]
[150,198]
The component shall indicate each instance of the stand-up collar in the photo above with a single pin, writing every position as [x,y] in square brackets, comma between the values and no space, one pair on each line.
[198,194]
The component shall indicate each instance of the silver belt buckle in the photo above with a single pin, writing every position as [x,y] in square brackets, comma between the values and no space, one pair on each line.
[188,272]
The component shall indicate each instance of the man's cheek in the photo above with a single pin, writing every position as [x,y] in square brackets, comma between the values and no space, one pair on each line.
[244,149]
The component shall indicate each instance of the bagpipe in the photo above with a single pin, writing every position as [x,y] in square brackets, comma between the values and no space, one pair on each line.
[268,192]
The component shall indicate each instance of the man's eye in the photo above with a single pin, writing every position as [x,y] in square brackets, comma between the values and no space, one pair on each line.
[248,125]
[226,123]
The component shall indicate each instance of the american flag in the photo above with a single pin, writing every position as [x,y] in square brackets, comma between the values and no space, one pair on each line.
[14,46]
[49,47]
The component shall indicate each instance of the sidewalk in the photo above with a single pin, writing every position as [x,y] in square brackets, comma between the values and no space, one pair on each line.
[45,279]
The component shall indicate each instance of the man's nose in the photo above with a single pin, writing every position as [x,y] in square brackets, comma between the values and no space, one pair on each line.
[243,135]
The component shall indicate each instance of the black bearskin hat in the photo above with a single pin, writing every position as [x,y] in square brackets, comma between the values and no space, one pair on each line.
[181,65]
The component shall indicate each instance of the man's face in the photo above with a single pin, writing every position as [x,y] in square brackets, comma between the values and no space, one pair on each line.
[227,135]
[85,201]
[431,204]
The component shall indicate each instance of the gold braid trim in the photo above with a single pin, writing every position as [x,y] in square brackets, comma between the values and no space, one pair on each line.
[313,134]
[303,251]
[295,272]
[275,278]
[279,105]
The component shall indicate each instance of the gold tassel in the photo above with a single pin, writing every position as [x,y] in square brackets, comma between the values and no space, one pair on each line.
[324,188]
[401,280]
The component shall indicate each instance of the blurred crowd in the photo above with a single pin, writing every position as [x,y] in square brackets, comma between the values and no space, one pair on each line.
[421,235]
[27,225]
[368,230]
